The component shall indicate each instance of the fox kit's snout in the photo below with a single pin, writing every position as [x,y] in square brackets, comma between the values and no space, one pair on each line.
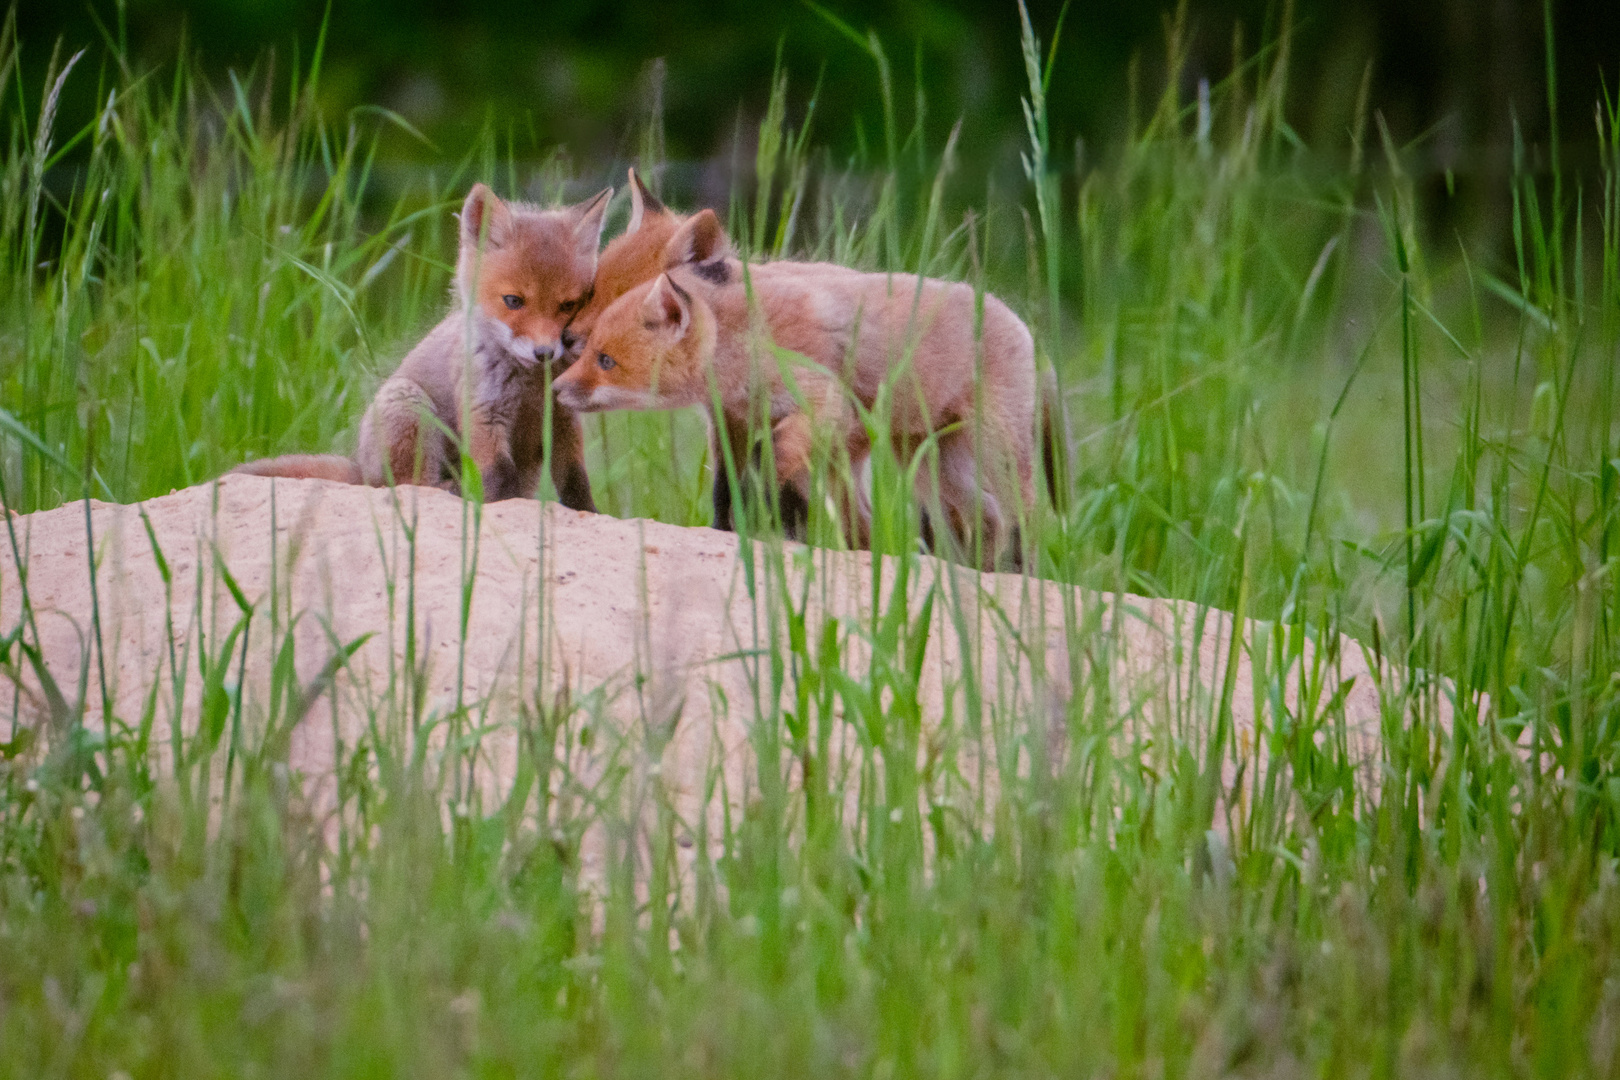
[525,278]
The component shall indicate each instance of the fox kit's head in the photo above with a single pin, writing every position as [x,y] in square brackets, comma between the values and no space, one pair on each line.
[650,347]
[632,258]
[528,272]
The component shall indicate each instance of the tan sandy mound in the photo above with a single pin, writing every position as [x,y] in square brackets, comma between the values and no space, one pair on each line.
[652,628]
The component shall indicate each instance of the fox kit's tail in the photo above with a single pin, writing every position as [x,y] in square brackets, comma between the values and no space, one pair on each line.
[1054,442]
[304,467]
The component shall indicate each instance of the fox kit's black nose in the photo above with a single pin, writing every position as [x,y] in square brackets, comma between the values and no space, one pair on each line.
[548,352]
[570,341]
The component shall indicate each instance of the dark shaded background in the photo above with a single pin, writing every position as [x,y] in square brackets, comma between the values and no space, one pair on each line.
[1447,74]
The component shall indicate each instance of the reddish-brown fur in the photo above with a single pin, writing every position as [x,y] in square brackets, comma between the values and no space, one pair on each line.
[487,362]
[632,258]
[946,374]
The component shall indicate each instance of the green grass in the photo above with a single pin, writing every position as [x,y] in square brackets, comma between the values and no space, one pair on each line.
[1287,396]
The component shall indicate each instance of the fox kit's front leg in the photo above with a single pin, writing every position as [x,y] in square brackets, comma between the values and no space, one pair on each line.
[501,390]
[791,439]
[732,437]
[793,445]
[490,446]
[509,467]
[728,439]
[568,474]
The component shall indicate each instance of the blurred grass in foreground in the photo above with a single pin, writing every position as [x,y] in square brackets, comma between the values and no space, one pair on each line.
[1234,322]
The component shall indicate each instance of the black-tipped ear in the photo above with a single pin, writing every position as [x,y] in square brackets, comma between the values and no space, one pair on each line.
[699,239]
[642,202]
[592,213]
[668,305]
[484,217]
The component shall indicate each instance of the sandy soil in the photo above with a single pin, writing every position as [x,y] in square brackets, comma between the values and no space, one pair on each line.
[649,631]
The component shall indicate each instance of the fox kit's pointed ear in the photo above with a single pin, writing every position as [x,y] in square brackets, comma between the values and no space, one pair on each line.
[698,240]
[484,217]
[588,233]
[668,306]
[642,202]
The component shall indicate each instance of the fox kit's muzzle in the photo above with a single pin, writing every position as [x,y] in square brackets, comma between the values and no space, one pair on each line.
[570,395]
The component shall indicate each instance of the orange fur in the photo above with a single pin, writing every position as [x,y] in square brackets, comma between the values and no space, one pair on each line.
[692,335]
[482,372]
[632,258]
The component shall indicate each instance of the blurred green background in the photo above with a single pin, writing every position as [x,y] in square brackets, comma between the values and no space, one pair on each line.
[1448,75]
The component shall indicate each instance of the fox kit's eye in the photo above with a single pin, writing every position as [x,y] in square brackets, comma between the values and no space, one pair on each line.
[604,361]
[512,302]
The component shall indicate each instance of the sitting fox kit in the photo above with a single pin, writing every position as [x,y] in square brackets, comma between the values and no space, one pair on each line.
[691,333]
[522,275]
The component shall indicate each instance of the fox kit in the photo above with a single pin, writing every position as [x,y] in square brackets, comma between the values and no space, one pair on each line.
[522,275]
[636,257]
[966,381]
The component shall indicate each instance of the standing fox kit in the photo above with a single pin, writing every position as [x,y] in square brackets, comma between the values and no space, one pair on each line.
[692,334]
[522,275]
